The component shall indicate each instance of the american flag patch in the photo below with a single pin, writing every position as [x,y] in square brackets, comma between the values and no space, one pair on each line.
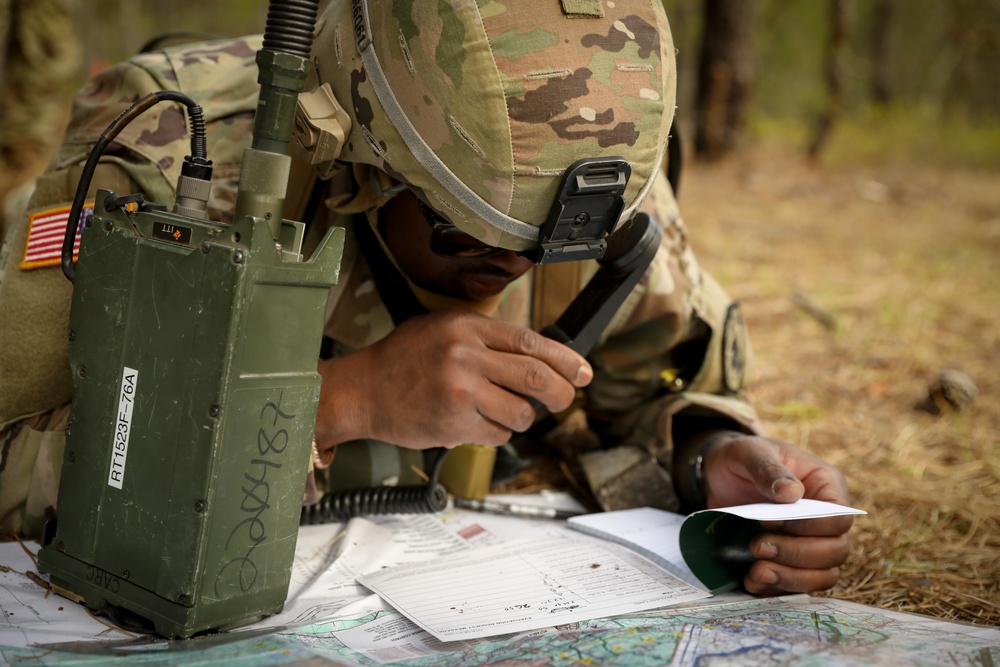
[46,231]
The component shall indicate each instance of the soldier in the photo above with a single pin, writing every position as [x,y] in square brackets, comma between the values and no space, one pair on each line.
[463,119]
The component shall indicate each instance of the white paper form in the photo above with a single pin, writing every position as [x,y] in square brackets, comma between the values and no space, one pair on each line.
[526,586]
[382,634]
[329,557]
[480,529]
[652,532]
[327,561]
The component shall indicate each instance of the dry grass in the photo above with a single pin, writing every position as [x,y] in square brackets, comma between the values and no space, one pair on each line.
[905,266]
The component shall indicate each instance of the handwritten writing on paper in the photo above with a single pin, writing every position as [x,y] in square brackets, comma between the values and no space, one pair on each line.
[518,587]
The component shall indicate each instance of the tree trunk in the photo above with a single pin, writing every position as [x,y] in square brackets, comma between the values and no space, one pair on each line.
[725,75]
[882,89]
[836,73]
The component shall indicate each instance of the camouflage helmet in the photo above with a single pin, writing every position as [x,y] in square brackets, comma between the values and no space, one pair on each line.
[480,107]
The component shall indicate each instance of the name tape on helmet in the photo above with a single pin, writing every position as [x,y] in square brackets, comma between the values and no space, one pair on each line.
[359,12]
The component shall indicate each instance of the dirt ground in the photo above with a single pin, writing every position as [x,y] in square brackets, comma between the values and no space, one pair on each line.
[859,287]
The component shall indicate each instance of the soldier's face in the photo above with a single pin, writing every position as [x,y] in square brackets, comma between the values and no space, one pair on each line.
[407,233]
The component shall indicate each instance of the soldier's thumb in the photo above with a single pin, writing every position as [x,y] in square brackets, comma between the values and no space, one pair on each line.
[776,482]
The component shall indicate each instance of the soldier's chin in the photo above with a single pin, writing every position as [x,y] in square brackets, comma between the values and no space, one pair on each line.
[477,287]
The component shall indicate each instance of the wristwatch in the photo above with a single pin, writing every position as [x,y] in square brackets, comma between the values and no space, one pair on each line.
[696,466]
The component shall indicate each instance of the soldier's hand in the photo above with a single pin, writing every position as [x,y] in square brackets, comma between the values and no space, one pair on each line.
[444,379]
[799,556]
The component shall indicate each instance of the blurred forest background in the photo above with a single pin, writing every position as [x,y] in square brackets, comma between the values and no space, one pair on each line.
[842,179]
[873,81]
[900,79]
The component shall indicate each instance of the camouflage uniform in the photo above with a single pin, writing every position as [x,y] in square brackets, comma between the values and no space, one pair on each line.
[672,360]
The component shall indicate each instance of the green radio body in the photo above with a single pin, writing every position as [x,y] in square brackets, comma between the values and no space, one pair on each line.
[193,348]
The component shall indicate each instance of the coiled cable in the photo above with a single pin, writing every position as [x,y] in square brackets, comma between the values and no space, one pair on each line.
[338,506]
[290,25]
[199,143]
[342,505]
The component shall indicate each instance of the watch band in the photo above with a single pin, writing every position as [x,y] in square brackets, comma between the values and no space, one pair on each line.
[697,466]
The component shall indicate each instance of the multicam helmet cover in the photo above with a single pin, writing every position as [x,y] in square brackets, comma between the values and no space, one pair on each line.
[481,106]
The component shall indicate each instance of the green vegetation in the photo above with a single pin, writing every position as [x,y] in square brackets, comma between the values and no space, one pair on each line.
[895,135]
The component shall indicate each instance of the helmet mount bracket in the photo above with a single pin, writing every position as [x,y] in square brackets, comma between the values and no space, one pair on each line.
[586,209]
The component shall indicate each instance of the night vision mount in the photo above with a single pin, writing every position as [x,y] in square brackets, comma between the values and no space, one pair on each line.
[586,209]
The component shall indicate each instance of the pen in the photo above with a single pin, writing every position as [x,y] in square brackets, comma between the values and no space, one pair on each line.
[512,509]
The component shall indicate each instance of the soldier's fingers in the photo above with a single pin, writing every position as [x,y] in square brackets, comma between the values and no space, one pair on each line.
[525,342]
[505,409]
[827,526]
[769,578]
[530,378]
[802,552]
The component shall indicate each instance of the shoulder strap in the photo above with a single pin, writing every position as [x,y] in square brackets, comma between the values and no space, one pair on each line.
[396,294]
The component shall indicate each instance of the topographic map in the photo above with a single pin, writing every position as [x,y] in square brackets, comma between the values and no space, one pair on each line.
[792,631]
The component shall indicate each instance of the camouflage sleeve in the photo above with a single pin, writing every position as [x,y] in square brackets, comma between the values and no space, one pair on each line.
[219,75]
[673,364]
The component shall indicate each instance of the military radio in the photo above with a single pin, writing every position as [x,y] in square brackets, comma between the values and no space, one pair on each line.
[193,348]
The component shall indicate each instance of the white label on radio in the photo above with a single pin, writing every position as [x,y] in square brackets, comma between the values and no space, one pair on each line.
[123,427]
